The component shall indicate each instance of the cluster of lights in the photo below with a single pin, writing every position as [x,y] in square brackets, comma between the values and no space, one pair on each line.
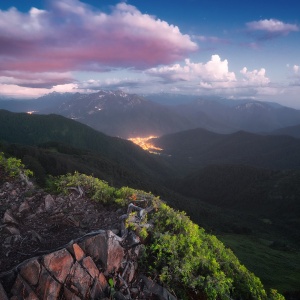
[144,142]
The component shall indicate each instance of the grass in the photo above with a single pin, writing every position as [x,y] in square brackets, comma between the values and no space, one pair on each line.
[275,268]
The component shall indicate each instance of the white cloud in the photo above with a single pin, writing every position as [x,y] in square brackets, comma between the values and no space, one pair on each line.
[214,70]
[255,77]
[294,76]
[16,91]
[272,27]
[35,80]
[215,77]
[113,83]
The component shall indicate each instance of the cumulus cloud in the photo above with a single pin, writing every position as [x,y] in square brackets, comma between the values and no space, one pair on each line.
[214,76]
[271,28]
[72,36]
[214,70]
[294,76]
[255,77]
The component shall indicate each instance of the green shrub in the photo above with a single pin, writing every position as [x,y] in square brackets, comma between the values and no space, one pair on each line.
[274,295]
[94,188]
[13,166]
[126,195]
[190,261]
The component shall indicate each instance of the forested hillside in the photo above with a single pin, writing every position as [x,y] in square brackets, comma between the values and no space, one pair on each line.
[242,204]
[192,149]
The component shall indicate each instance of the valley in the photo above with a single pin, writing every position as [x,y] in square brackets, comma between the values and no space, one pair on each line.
[236,181]
[145,144]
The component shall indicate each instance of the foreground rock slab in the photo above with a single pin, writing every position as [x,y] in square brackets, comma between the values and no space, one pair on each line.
[81,270]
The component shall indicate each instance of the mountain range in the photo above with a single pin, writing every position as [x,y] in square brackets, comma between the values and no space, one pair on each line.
[193,149]
[117,113]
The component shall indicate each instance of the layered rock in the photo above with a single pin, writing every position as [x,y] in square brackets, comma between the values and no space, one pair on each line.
[78,271]
[96,264]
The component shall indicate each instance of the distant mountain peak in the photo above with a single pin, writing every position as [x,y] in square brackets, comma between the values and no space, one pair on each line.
[255,105]
[95,102]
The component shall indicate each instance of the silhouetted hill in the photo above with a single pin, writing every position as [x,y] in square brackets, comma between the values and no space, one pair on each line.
[234,115]
[293,131]
[48,101]
[260,191]
[192,149]
[33,130]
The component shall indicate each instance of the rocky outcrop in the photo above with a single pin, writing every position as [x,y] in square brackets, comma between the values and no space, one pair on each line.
[95,265]
[80,270]
[33,221]
[74,272]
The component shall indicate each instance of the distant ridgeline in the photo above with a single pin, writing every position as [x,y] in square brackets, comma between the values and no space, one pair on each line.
[129,115]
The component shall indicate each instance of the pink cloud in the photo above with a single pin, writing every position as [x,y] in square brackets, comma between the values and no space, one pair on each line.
[36,80]
[72,36]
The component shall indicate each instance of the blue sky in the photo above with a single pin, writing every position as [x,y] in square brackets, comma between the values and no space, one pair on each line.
[234,49]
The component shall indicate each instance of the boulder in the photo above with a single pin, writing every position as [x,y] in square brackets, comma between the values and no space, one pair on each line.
[49,203]
[79,280]
[105,247]
[24,208]
[59,264]
[9,217]
[48,288]
[22,290]
[158,290]
[31,271]
[77,251]
[90,266]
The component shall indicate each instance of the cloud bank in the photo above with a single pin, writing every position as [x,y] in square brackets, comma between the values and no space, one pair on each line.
[213,74]
[72,36]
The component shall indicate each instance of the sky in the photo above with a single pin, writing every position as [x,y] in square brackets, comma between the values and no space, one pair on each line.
[229,48]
